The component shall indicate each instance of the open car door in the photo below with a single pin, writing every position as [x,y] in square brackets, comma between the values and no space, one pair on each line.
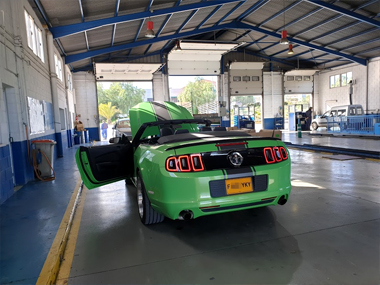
[101,165]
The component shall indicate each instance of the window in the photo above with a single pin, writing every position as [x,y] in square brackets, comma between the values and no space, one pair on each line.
[236,78]
[58,66]
[69,81]
[290,78]
[298,78]
[255,78]
[306,78]
[340,79]
[34,35]
[346,78]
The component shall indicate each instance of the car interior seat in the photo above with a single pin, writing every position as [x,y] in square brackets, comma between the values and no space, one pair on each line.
[181,131]
[205,129]
[220,129]
[166,132]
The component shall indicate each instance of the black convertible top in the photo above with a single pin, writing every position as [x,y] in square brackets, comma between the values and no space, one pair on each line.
[201,135]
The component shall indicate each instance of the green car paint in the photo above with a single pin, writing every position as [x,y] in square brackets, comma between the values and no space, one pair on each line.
[171,193]
[201,192]
[148,112]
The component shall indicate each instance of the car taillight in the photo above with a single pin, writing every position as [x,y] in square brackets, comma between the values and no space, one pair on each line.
[171,164]
[277,154]
[283,152]
[269,156]
[185,163]
[196,162]
[273,154]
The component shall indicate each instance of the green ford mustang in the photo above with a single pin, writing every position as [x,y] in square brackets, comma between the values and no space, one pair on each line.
[183,173]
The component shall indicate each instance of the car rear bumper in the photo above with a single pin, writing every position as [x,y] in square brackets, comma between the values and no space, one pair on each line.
[192,191]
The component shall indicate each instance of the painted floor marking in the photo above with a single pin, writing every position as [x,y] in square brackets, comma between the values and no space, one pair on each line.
[67,260]
[51,266]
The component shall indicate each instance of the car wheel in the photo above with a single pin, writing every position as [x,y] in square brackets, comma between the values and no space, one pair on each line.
[314,126]
[147,214]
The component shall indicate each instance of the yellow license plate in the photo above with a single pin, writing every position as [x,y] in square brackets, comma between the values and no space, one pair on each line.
[239,185]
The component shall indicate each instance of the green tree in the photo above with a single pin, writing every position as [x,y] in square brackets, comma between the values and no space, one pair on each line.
[198,92]
[108,111]
[121,95]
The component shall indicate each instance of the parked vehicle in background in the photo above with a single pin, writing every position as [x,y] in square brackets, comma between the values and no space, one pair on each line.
[121,127]
[334,116]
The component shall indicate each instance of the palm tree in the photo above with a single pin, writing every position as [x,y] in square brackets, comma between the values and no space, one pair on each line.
[107,111]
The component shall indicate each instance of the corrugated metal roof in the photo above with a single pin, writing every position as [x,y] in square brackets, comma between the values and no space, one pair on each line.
[330,30]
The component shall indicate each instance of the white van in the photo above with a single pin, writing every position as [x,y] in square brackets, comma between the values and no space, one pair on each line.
[336,113]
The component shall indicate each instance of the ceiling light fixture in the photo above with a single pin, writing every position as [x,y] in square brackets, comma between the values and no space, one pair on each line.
[177,46]
[149,30]
[290,51]
[284,40]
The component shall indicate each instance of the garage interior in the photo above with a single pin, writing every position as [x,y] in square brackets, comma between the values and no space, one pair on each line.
[54,53]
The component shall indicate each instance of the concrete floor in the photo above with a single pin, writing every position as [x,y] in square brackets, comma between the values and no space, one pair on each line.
[327,233]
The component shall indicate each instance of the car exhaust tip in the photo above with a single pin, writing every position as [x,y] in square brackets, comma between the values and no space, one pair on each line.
[282,200]
[185,215]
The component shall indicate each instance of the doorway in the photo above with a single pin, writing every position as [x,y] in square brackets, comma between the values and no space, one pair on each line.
[247,106]
[295,103]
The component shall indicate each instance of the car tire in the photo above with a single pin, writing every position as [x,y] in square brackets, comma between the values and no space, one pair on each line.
[314,126]
[147,214]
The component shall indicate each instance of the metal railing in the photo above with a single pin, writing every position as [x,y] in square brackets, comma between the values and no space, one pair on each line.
[364,125]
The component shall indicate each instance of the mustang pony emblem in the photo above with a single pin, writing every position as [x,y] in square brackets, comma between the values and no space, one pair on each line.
[235,158]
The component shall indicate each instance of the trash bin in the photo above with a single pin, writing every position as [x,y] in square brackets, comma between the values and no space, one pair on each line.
[79,137]
[47,147]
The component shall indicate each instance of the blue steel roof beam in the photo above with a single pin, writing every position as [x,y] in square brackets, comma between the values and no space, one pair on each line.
[233,25]
[272,45]
[84,55]
[345,12]
[82,15]
[114,26]
[326,21]
[81,10]
[266,57]
[307,44]
[242,35]
[279,13]
[299,54]
[160,30]
[43,13]
[229,13]
[192,14]
[368,50]
[209,16]
[360,44]
[66,30]
[353,36]
[141,25]
[255,41]
[253,8]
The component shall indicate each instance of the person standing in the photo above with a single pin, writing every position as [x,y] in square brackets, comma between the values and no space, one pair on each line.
[309,118]
[104,128]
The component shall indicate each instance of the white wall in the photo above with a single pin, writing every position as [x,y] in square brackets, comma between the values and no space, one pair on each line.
[86,98]
[272,93]
[366,93]
[22,70]
[160,87]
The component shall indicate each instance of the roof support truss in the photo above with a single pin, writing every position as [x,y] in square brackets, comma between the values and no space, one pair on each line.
[233,25]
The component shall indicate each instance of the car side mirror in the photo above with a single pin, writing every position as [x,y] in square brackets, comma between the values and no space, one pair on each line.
[114,140]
